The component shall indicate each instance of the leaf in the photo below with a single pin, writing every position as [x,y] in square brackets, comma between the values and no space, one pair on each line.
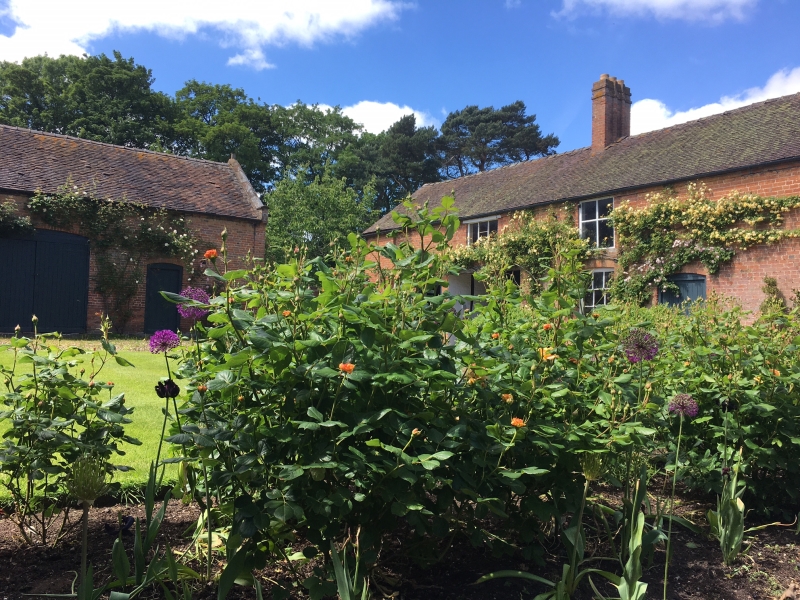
[123,362]
[518,574]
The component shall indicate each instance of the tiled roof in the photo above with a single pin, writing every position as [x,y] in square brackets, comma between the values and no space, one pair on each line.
[759,134]
[32,160]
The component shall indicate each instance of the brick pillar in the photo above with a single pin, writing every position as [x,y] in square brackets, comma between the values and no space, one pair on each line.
[611,112]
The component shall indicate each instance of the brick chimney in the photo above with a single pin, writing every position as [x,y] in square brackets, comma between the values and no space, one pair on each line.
[611,112]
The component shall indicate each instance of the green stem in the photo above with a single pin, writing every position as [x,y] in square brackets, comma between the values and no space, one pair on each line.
[579,526]
[671,504]
[84,549]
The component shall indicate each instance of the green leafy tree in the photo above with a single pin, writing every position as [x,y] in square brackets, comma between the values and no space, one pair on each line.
[314,214]
[479,139]
[94,97]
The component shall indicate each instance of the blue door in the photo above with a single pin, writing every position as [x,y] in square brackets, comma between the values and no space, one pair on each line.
[691,286]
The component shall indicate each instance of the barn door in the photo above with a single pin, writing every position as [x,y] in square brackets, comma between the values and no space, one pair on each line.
[690,285]
[46,274]
[158,312]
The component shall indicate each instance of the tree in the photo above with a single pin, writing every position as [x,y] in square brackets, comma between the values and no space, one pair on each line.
[478,139]
[217,121]
[93,97]
[314,215]
[397,161]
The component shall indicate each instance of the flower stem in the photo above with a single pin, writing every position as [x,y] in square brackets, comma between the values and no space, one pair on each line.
[671,504]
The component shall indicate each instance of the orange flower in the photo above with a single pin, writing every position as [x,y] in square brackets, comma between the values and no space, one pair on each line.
[517,422]
[416,432]
[547,354]
[346,367]
[210,254]
[495,335]
[110,383]
[286,313]
[507,398]
[547,326]
[776,372]
[202,388]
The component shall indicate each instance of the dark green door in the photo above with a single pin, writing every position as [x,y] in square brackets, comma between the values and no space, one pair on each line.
[690,285]
[158,312]
[47,275]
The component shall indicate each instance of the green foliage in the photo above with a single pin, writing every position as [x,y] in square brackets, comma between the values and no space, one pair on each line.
[11,223]
[92,97]
[57,416]
[313,216]
[124,235]
[659,239]
[727,522]
[529,242]
[774,302]
[479,139]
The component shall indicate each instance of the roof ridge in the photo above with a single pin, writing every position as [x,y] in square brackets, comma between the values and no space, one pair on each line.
[115,146]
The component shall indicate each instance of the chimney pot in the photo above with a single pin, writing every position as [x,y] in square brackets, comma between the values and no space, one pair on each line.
[611,112]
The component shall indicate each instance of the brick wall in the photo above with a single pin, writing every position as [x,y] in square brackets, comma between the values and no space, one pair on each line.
[244,238]
[743,277]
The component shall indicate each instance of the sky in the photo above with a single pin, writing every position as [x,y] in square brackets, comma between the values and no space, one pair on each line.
[381,59]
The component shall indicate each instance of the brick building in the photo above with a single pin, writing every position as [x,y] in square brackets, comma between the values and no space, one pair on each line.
[53,273]
[754,149]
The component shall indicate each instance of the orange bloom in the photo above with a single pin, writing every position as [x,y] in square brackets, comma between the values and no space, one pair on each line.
[416,432]
[346,367]
[507,398]
[776,372]
[202,388]
[210,254]
[517,422]
[547,326]
[495,335]
[547,354]
[286,313]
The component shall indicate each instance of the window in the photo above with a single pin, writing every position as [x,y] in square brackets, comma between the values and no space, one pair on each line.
[480,229]
[594,224]
[597,295]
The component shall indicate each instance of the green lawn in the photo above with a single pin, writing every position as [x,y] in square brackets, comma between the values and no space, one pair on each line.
[137,383]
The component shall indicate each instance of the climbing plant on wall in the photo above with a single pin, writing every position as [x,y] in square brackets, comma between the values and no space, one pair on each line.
[668,233]
[11,223]
[124,235]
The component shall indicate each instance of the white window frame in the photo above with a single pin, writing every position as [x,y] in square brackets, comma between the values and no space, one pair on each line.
[596,221]
[481,224]
[607,274]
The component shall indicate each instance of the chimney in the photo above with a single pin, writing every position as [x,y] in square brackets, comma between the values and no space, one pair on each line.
[611,112]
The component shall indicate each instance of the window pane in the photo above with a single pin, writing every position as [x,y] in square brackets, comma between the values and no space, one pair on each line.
[605,206]
[589,231]
[606,234]
[588,301]
[597,280]
[473,233]
[493,226]
[588,210]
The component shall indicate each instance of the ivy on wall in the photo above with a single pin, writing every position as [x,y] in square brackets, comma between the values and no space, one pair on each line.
[530,242]
[123,235]
[668,233]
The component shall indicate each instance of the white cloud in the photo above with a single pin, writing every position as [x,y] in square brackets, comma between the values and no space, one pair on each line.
[69,26]
[649,114]
[378,116]
[713,11]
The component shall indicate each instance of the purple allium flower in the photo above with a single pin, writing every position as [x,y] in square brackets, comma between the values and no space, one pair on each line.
[639,345]
[163,341]
[193,312]
[683,404]
[167,389]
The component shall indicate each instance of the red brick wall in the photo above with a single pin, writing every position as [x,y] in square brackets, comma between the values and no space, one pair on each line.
[244,238]
[743,277]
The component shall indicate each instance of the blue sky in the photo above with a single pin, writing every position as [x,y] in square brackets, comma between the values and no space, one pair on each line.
[682,59]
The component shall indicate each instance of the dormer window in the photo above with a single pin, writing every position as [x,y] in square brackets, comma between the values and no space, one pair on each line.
[594,222]
[480,229]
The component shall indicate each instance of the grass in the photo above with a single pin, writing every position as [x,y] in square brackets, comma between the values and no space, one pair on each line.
[137,383]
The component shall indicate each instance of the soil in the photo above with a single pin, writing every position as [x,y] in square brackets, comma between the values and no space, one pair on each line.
[769,567]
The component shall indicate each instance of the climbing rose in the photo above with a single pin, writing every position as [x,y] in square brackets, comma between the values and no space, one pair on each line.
[517,422]
[683,404]
[164,341]
[193,312]
[639,345]
[346,367]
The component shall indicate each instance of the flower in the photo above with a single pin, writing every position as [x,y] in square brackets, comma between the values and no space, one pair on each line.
[547,326]
[163,341]
[495,335]
[507,398]
[416,432]
[517,422]
[346,367]
[547,354]
[639,345]
[167,389]
[286,313]
[210,254]
[193,312]
[202,388]
[683,404]
[776,372]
